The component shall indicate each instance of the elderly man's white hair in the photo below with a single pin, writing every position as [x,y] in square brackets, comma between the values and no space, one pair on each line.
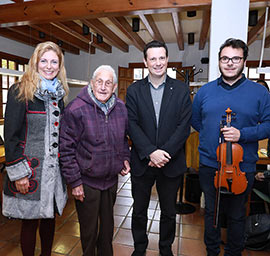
[107,68]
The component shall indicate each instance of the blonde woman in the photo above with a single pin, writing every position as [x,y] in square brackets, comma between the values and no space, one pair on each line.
[34,191]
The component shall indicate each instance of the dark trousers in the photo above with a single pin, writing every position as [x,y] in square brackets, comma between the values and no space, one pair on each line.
[95,216]
[232,206]
[167,192]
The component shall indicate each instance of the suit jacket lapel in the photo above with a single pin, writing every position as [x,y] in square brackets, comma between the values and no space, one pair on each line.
[146,94]
[167,94]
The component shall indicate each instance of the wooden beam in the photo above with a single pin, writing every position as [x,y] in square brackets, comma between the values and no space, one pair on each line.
[60,34]
[62,10]
[74,29]
[124,26]
[151,26]
[205,28]
[254,33]
[178,30]
[267,42]
[18,37]
[101,29]
[29,32]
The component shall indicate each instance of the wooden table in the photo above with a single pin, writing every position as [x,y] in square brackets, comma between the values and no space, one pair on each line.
[263,158]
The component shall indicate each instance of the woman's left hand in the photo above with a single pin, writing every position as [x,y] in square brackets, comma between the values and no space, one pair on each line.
[22,185]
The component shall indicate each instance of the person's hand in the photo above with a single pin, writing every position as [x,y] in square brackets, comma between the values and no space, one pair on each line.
[159,158]
[231,134]
[78,193]
[259,176]
[22,185]
[126,168]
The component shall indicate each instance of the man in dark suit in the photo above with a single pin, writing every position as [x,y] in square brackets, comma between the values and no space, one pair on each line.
[159,112]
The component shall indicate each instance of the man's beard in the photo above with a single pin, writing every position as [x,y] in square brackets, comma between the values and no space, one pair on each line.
[232,78]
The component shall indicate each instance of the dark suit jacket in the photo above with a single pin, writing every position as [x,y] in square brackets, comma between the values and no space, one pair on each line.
[170,134]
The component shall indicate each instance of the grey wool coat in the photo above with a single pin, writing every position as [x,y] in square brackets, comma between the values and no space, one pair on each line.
[31,132]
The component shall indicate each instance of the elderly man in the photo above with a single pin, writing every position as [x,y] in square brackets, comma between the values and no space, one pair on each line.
[93,151]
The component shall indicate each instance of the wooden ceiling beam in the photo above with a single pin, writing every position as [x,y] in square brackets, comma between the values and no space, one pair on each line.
[29,32]
[151,26]
[101,29]
[18,37]
[61,10]
[75,30]
[254,33]
[267,42]
[205,28]
[178,30]
[62,35]
[125,27]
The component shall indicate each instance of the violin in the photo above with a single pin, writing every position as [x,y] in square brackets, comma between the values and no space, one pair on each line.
[229,179]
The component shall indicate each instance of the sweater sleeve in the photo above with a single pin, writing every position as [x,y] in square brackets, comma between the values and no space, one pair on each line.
[262,129]
[196,113]
[14,135]
[69,136]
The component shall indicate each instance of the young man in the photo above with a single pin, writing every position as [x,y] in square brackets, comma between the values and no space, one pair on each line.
[251,105]
[93,151]
[159,112]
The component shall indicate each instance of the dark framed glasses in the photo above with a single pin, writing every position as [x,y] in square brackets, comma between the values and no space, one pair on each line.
[234,59]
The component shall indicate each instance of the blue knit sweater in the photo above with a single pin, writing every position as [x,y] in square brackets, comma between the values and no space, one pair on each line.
[251,104]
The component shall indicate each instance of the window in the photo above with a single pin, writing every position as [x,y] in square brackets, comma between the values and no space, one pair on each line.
[251,71]
[12,62]
[140,72]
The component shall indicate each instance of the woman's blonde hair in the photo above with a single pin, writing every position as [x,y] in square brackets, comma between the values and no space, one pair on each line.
[30,79]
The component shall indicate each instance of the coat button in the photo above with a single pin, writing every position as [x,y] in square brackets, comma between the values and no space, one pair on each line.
[55,145]
[54,134]
[56,113]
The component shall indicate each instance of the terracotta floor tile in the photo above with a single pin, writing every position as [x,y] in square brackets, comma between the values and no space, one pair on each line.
[191,247]
[153,204]
[11,249]
[153,243]
[124,237]
[191,231]
[126,223]
[121,200]
[127,186]
[118,220]
[77,250]
[121,210]
[64,244]
[188,241]
[10,230]
[125,192]
[71,228]
[122,250]
[193,219]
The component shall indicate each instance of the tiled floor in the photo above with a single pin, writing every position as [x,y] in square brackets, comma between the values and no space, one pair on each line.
[188,241]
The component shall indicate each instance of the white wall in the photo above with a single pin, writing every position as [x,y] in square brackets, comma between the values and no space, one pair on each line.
[15,48]
[82,66]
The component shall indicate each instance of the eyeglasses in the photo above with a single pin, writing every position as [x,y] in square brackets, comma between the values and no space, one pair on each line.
[100,82]
[234,59]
